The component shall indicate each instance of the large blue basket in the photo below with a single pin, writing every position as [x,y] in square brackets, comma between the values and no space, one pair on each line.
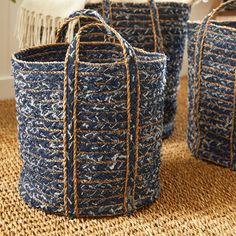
[153,26]
[212,90]
[90,119]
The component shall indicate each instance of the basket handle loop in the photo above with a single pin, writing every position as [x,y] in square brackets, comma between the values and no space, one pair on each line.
[202,32]
[77,15]
[156,27]
[127,48]
[71,92]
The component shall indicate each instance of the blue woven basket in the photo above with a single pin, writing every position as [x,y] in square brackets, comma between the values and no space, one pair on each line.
[153,27]
[212,90]
[90,120]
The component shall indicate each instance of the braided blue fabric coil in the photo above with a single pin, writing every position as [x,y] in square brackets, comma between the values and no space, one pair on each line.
[212,89]
[90,122]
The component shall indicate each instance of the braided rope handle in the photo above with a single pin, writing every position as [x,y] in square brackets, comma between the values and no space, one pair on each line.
[71,91]
[77,15]
[202,32]
[158,46]
[128,50]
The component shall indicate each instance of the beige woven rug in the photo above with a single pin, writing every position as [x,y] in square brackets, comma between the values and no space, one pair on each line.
[197,198]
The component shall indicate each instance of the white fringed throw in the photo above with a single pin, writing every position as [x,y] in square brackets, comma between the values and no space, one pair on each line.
[38,20]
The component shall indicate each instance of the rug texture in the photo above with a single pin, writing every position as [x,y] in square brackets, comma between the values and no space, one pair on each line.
[197,198]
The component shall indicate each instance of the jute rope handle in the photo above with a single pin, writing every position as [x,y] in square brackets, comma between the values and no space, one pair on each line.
[71,80]
[202,32]
[86,14]
[158,38]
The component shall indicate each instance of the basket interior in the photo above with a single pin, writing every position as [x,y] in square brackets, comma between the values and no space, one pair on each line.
[92,52]
[95,47]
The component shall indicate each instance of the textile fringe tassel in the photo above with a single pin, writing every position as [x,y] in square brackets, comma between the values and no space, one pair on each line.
[35,29]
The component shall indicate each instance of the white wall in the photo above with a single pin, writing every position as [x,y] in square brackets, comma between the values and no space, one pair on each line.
[8,42]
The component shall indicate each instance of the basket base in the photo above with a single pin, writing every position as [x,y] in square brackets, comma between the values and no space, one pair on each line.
[168,130]
[28,194]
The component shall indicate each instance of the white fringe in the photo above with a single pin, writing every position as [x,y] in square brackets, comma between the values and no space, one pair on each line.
[36,29]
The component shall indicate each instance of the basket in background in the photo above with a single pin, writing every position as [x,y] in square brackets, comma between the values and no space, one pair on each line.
[153,26]
[212,89]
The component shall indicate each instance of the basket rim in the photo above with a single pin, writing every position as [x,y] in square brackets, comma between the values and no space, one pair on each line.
[213,23]
[162,56]
[187,2]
